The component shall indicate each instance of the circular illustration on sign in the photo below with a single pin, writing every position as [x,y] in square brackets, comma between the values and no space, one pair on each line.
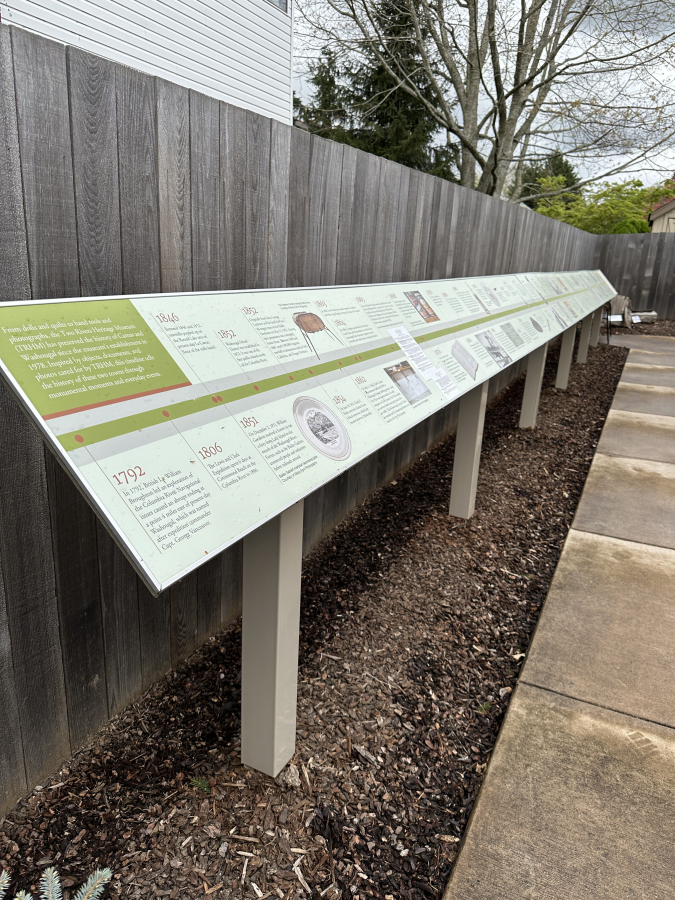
[321,428]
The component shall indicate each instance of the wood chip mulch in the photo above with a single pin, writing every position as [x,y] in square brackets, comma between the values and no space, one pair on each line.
[414,629]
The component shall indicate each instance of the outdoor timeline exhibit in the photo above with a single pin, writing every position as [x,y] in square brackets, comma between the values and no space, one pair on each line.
[190,419]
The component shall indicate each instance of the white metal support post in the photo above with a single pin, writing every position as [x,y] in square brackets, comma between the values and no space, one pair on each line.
[584,338]
[595,330]
[467,451]
[536,363]
[270,638]
[565,359]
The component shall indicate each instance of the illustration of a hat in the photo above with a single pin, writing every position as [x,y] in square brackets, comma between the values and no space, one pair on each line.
[310,323]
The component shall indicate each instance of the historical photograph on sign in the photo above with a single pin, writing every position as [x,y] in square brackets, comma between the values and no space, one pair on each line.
[468,362]
[494,348]
[421,306]
[322,428]
[408,381]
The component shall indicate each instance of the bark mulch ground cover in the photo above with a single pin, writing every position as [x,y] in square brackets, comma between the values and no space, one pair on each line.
[414,628]
[662,328]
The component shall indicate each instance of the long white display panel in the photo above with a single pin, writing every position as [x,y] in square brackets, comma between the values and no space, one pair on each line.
[189,419]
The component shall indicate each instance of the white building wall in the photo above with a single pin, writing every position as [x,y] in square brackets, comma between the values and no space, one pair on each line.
[239,51]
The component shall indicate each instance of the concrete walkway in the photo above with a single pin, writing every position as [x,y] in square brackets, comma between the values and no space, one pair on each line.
[578,802]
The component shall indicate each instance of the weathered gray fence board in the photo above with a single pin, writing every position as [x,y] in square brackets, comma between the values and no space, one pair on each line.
[13,782]
[323,211]
[73,527]
[46,164]
[154,628]
[346,265]
[277,234]
[97,202]
[230,601]
[299,248]
[209,599]
[15,280]
[139,195]
[205,192]
[387,219]
[28,573]
[121,635]
[258,138]
[364,215]
[233,196]
[184,618]
[173,165]
[401,224]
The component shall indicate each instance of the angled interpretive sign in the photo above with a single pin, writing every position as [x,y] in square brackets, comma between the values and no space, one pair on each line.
[187,420]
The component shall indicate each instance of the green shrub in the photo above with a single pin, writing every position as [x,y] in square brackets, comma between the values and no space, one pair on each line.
[50,886]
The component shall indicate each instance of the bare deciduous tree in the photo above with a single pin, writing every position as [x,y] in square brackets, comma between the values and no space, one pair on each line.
[514,80]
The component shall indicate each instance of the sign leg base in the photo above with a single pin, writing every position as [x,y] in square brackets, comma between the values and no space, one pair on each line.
[270,638]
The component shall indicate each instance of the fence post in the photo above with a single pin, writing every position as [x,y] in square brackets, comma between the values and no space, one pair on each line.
[565,360]
[536,363]
[584,338]
[467,451]
[595,330]
[270,638]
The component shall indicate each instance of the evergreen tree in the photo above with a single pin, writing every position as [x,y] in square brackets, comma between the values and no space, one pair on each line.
[362,105]
[554,166]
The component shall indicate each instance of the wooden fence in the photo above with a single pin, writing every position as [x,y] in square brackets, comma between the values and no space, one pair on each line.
[641,266]
[112,182]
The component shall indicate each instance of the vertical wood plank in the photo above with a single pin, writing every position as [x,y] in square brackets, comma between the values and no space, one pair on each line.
[331,212]
[312,523]
[258,137]
[154,621]
[420,251]
[139,193]
[27,565]
[97,202]
[277,237]
[183,618]
[13,782]
[401,224]
[209,599]
[173,176]
[324,211]
[298,208]
[364,219]
[15,281]
[205,191]
[73,526]
[408,245]
[386,223]
[233,196]
[451,226]
[46,164]
[346,268]
[232,566]
[438,230]
[121,629]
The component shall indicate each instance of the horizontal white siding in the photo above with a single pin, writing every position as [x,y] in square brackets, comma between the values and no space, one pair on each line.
[235,50]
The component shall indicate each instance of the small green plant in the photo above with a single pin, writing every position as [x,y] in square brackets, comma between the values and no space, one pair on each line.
[484,707]
[50,886]
[202,784]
